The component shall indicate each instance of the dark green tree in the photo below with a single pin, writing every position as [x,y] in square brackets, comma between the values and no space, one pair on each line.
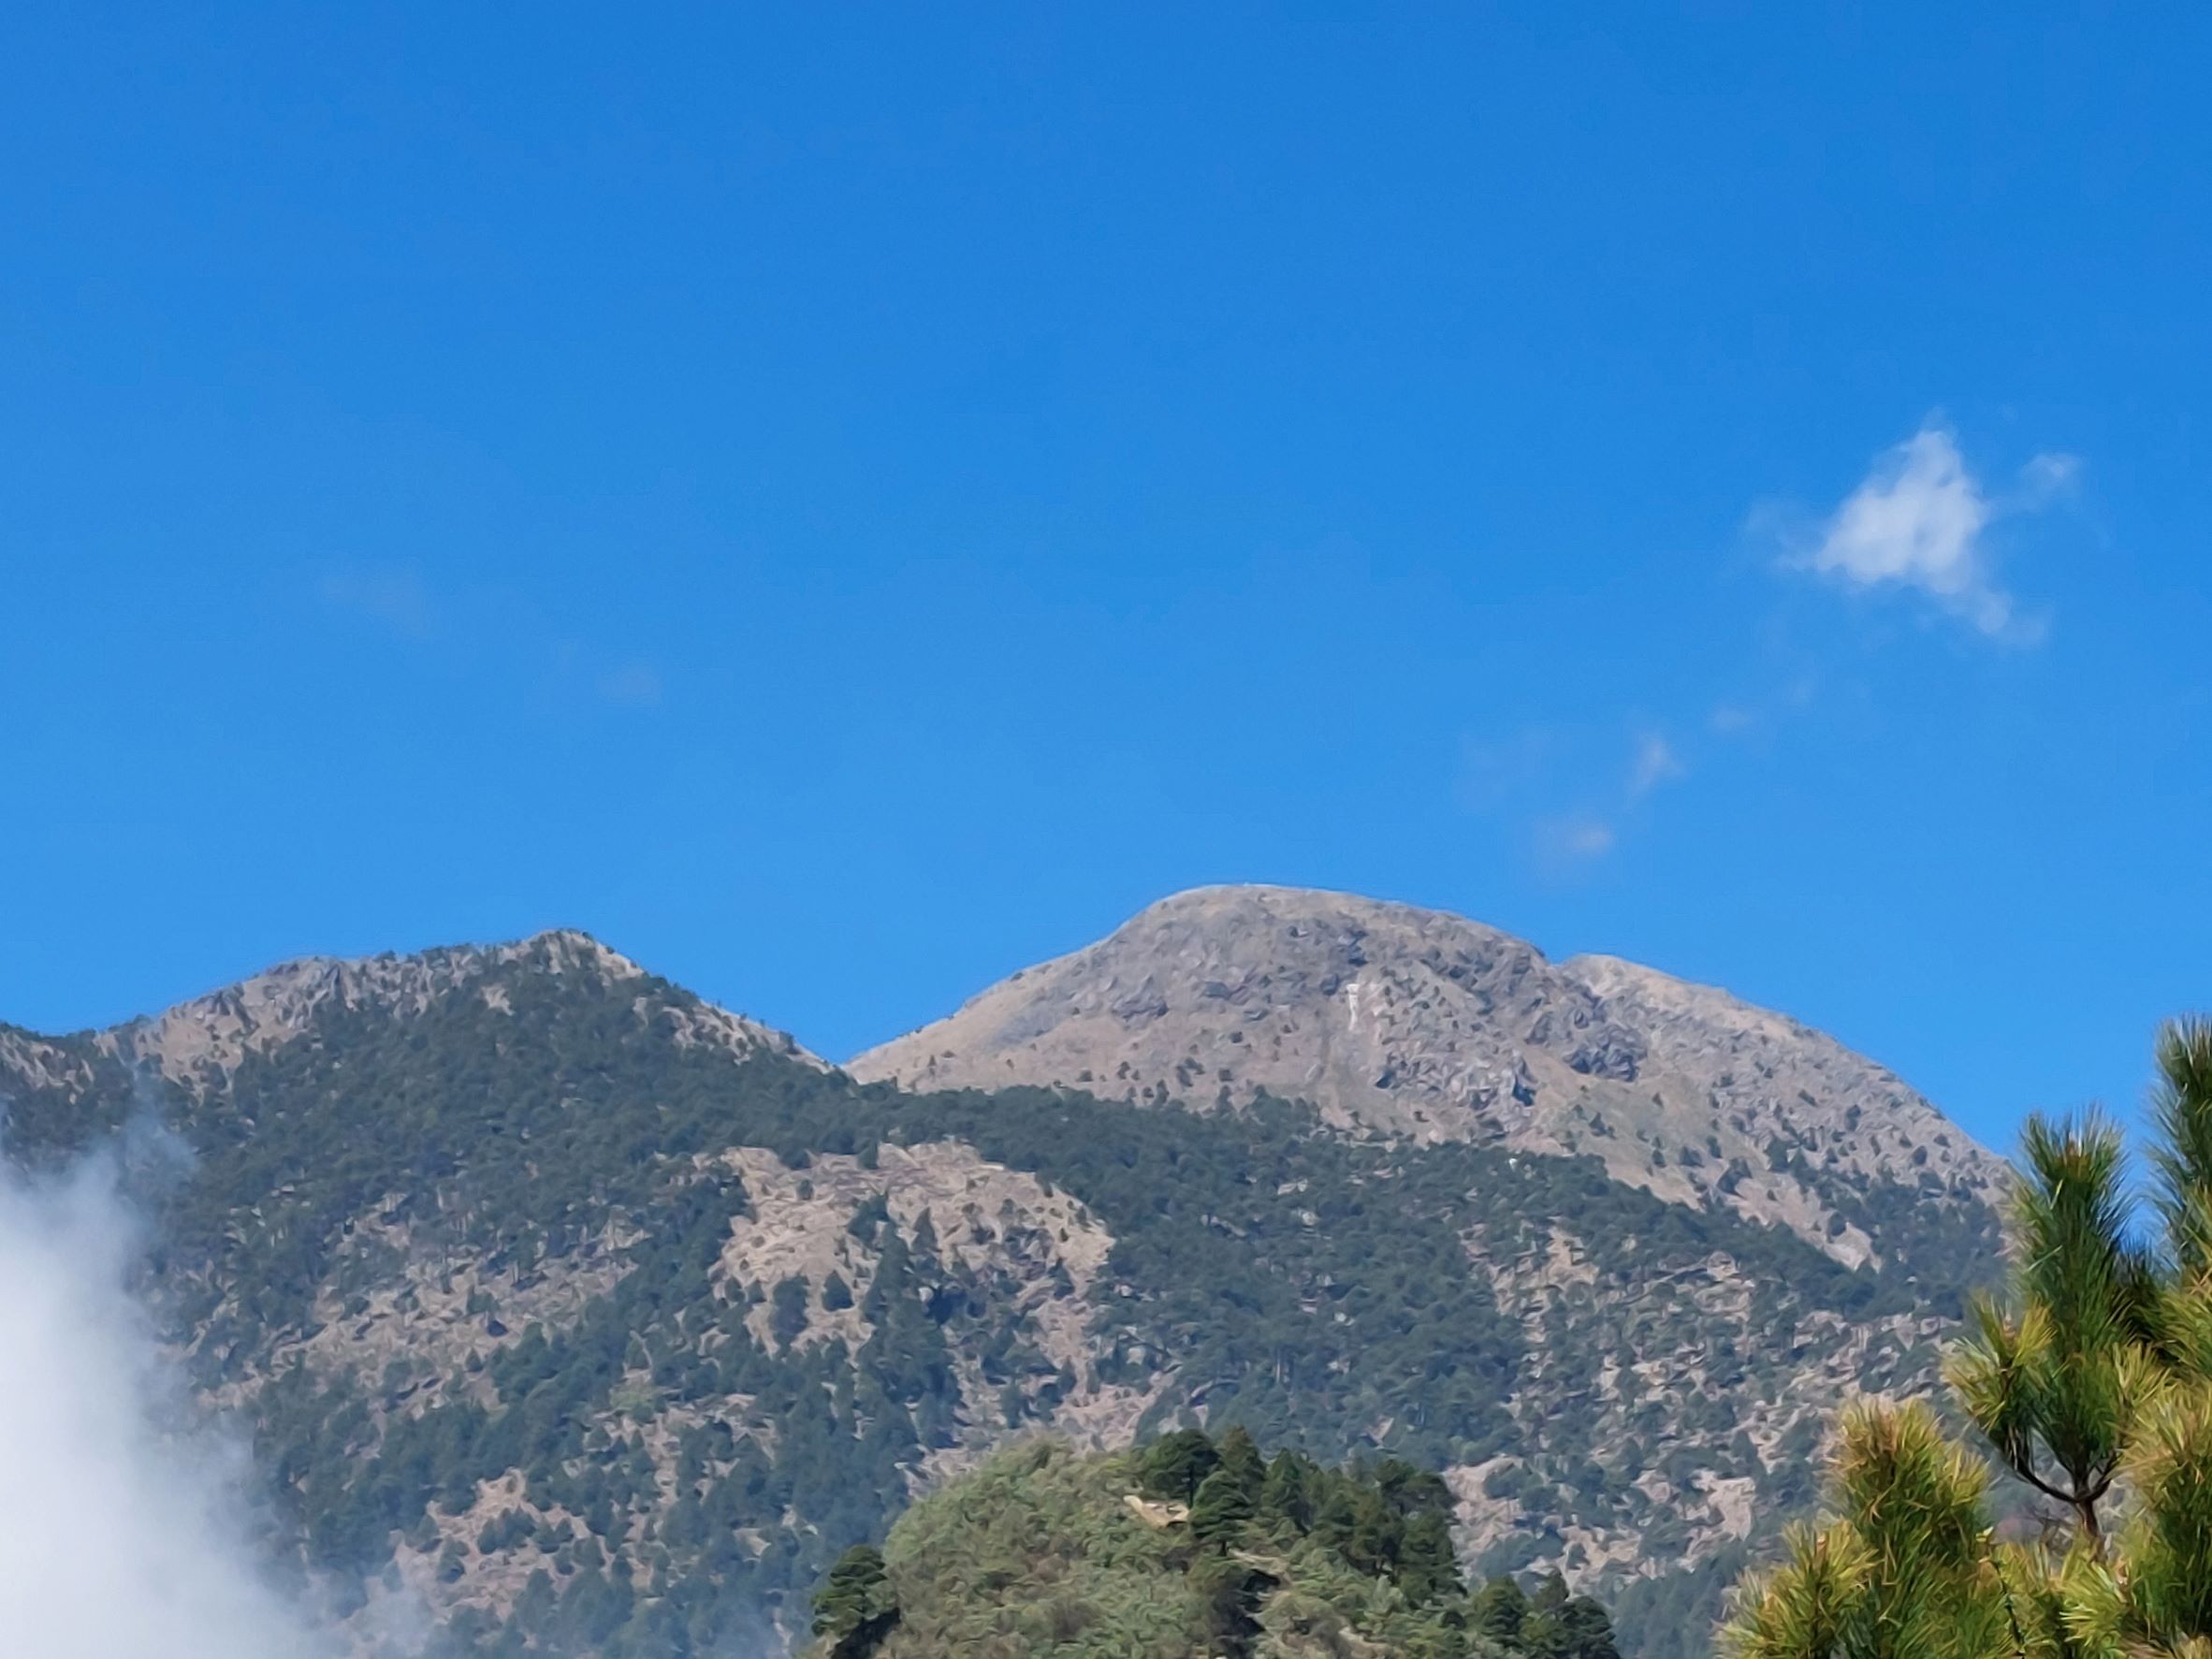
[1220,1511]
[1241,1463]
[788,1315]
[1287,1495]
[1231,1592]
[855,1608]
[1428,1567]
[1175,1464]
[1500,1611]
[1587,1629]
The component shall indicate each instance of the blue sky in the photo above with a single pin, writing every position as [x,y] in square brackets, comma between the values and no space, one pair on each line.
[842,508]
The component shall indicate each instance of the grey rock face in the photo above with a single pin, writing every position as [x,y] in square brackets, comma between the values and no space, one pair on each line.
[1427,1027]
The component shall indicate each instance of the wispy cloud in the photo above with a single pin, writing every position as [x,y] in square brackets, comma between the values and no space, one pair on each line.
[1570,804]
[1917,525]
[1656,763]
[1760,714]
[1574,841]
[2044,479]
[1918,521]
[483,625]
[391,596]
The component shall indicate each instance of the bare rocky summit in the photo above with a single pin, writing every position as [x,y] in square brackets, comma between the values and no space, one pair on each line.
[198,1042]
[1426,1026]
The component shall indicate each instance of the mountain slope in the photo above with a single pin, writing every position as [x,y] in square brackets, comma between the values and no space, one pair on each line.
[1431,1027]
[201,1040]
[1186,1547]
[602,1320]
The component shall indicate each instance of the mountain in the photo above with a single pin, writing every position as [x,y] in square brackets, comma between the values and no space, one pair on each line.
[1426,1026]
[205,1039]
[600,1320]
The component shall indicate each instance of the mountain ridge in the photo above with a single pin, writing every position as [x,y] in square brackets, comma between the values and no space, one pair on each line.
[206,1034]
[595,1317]
[1425,1025]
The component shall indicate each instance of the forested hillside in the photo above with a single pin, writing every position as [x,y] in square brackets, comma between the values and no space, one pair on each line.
[607,1321]
[1191,1545]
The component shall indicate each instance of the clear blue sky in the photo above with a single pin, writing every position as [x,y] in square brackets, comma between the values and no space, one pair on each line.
[843,504]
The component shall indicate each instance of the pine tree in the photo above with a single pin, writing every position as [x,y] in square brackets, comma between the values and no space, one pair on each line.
[855,1607]
[1588,1629]
[1427,1566]
[2181,1109]
[790,1316]
[1220,1510]
[1177,1464]
[1287,1495]
[1500,1611]
[2093,1387]
[1231,1592]
[2053,1388]
[1336,1517]
[1241,1463]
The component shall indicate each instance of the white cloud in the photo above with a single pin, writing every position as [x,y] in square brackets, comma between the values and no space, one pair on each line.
[2046,477]
[1574,841]
[1918,520]
[128,1538]
[1656,763]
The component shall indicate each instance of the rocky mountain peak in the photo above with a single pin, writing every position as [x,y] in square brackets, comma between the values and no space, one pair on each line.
[200,1040]
[1427,1027]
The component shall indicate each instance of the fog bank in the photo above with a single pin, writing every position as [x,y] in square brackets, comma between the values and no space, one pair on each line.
[121,1529]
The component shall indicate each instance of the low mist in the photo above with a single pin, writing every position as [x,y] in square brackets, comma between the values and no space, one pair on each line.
[125,1533]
